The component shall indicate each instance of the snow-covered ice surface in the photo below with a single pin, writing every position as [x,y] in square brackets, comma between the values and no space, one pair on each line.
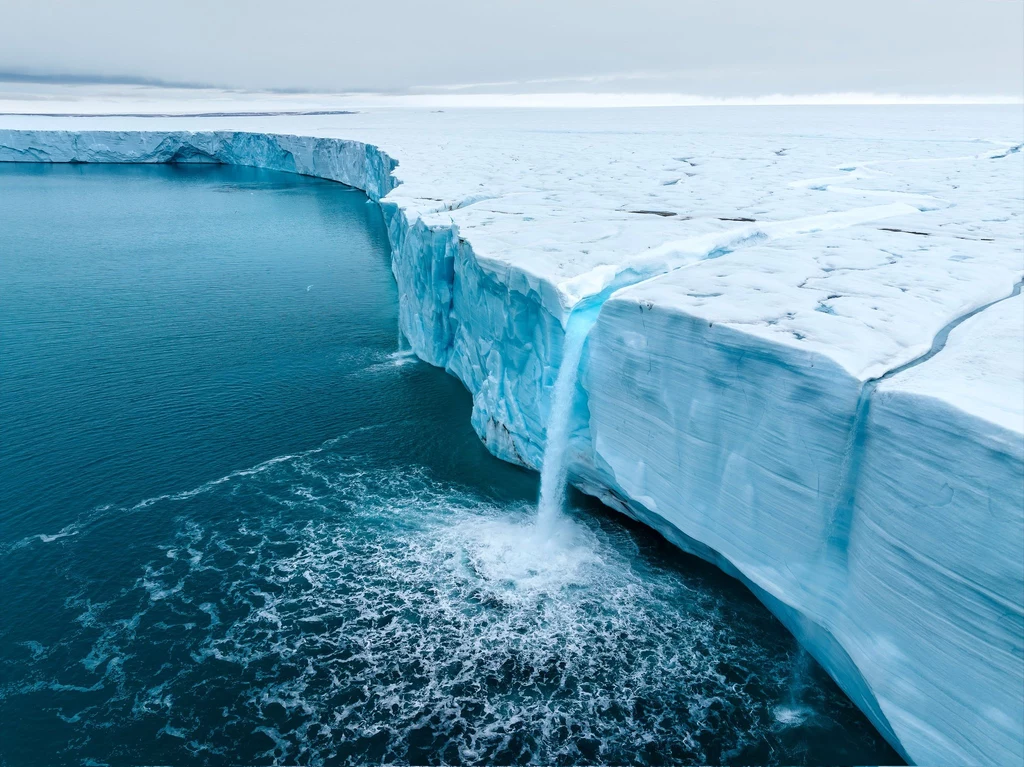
[780,377]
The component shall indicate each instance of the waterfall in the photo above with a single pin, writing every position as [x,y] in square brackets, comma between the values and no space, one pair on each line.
[555,469]
[404,353]
[794,711]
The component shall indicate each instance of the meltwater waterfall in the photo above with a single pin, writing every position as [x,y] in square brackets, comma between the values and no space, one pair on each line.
[554,471]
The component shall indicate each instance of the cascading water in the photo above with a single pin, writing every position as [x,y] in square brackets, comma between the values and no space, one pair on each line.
[795,710]
[555,469]
[404,353]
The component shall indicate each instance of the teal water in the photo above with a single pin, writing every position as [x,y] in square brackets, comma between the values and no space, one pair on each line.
[238,525]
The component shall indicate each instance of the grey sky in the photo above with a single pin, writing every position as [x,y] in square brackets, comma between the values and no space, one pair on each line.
[714,47]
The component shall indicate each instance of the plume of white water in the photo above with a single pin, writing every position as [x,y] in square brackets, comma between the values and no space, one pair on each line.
[404,353]
[555,469]
[793,711]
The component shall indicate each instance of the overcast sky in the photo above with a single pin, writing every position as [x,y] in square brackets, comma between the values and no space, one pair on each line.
[714,48]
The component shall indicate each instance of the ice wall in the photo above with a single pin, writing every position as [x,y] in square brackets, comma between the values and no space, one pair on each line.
[938,525]
[890,525]
[729,396]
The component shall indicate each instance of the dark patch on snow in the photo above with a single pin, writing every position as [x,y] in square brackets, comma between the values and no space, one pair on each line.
[904,231]
[1011,150]
[932,234]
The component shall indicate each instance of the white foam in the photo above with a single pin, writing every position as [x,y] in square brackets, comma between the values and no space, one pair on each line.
[333,606]
[792,715]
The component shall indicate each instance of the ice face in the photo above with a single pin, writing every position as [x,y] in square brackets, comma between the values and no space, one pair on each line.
[758,288]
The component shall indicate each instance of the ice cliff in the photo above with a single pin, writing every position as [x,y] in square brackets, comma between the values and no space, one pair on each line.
[805,369]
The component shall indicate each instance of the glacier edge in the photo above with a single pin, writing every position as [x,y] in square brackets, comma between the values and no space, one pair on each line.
[499,333]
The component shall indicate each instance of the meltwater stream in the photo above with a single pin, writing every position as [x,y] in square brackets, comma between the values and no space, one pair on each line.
[240,525]
[555,469]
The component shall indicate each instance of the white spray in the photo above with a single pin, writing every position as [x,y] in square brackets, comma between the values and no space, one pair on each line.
[404,353]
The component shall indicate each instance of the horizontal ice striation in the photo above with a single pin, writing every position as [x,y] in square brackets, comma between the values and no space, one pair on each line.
[732,405]
[938,526]
[768,382]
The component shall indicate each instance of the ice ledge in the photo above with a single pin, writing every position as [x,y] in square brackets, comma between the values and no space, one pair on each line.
[744,413]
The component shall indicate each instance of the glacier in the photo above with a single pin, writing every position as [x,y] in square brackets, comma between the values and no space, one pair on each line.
[797,354]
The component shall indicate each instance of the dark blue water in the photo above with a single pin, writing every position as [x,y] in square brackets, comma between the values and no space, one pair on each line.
[239,526]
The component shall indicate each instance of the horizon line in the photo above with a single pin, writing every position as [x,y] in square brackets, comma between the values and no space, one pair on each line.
[532,99]
[627,99]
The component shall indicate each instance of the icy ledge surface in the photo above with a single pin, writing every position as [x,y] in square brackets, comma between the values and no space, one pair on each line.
[804,363]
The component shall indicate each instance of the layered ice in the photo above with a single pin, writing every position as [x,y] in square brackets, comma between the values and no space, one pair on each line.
[804,363]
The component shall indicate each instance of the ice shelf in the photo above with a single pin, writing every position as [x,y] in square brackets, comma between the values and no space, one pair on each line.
[806,362]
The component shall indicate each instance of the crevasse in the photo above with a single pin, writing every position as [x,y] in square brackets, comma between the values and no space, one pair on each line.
[729,445]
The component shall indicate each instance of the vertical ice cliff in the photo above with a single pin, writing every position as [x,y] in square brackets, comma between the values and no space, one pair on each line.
[735,430]
[937,531]
[735,386]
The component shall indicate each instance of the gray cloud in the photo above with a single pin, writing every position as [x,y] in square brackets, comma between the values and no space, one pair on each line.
[715,47]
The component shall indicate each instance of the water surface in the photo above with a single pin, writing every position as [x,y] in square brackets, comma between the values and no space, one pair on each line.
[239,525]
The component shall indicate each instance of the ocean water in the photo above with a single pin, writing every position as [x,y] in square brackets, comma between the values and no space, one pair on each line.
[239,525]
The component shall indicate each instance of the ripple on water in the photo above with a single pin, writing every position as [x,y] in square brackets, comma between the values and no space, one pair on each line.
[312,610]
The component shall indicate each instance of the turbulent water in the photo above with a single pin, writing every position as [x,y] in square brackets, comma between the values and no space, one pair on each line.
[239,524]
